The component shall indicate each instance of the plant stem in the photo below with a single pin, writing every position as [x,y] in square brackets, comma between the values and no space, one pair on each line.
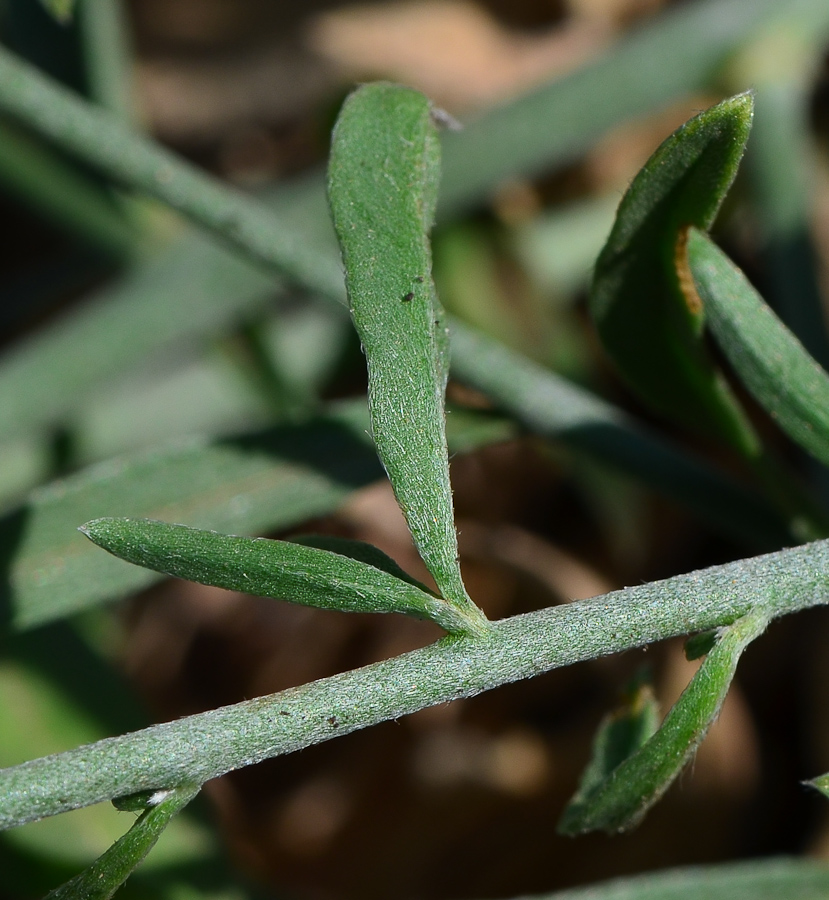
[129,158]
[549,405]
[204,746]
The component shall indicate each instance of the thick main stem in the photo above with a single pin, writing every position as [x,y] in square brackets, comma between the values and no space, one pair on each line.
[204,746]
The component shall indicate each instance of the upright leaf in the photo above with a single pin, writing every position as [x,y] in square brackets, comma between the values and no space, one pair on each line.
[280,569]
[770,360]
[636,300]
[382,184]
[622,799]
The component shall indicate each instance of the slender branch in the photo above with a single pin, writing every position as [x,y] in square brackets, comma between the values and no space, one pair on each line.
[549,405]
[101,140]
[204,746]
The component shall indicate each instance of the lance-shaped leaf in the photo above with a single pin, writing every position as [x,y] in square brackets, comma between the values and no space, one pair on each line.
[624,796]
[636,300]
[280,569]
[103,878]
[821,783]
[382,185]
[770,360]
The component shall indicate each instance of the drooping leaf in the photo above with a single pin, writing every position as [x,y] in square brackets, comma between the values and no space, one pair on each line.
[643,318]
[280,569]
[382,184]
[622,799]
[103,878]
[770,360]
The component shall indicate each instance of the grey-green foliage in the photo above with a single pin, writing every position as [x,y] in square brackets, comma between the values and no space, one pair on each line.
[301,573]
[516,648]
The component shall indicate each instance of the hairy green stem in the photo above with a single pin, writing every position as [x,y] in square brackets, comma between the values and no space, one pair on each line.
[204,746]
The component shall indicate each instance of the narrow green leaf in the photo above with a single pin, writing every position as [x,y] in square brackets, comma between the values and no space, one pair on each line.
[103,878]
[769,359]
[251,483]
[782,166]
[283,570]
[758,879]
[643,317]
[382,184]
[623,798]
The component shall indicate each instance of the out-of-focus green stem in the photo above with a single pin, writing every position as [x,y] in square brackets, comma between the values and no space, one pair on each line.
[107,56]
[130,159]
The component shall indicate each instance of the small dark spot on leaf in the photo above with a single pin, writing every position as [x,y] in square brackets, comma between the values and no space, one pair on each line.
[407,298]
[284,712]
[332,721]
[419,279]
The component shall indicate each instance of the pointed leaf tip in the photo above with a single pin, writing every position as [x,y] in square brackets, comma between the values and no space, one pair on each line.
[637,300]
